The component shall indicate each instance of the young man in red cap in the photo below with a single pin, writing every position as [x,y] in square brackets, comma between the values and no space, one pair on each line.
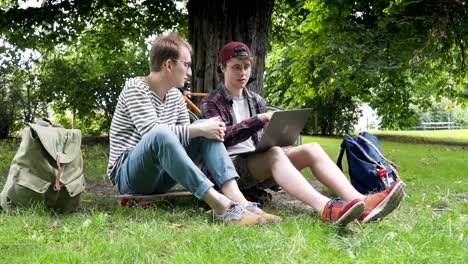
[245,115]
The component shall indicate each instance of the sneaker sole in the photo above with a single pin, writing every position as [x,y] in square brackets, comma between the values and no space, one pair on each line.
[253,223]
[354,212]
[272,220]
[389,204]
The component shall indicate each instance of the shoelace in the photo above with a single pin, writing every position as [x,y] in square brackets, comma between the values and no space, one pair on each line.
[332,203]
[233,209]
[253,208]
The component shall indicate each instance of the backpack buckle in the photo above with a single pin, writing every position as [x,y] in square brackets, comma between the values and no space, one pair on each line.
[382,173]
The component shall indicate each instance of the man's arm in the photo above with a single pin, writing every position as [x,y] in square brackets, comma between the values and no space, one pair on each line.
[144,115]
[235,133]
[211,128]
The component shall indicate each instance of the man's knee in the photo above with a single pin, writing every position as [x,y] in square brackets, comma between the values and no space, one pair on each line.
[161,135]
[313,150]
[276,154]
[313,146]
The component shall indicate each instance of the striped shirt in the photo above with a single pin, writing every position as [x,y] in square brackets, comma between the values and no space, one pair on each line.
[139,110]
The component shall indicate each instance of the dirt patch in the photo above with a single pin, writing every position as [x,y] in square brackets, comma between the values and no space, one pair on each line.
[280,199]
[101,188]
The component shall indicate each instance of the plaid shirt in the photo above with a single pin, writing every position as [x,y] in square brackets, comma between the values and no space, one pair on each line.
[219,103]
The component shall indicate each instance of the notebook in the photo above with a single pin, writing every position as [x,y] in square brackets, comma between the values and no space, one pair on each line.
[283,129]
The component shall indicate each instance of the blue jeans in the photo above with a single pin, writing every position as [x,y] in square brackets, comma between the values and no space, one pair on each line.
[159,161]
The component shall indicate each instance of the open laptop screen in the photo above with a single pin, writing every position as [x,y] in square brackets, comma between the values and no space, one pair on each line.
[283,129]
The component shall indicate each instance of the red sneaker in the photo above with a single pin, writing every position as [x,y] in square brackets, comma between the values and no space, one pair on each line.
[380,204]
[341,212]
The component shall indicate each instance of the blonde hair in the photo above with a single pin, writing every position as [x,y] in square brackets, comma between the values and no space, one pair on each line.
[166,47]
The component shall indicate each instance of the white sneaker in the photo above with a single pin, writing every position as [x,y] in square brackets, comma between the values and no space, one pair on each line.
[237,215]
[253,208]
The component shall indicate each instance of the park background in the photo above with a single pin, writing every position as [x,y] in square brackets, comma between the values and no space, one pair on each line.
[405,60]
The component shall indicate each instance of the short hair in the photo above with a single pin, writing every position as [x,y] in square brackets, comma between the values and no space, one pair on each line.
[166,47]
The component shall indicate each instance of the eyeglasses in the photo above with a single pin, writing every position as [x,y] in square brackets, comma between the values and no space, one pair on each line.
[186,64]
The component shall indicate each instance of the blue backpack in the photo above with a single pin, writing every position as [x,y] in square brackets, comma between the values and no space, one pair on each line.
[368,169]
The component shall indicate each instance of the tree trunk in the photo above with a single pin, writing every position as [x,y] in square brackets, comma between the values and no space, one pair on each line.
[214,23]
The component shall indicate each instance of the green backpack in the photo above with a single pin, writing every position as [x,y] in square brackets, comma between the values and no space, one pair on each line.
[46,170]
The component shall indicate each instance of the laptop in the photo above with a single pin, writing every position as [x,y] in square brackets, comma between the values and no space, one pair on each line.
[283,129]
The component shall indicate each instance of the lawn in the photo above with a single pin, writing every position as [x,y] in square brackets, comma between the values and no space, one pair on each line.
[453,136]
[429,227]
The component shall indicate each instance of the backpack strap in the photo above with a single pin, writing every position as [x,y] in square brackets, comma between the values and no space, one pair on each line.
[366,155]
[45,122]
[377,150]
[342,149]
[339,159]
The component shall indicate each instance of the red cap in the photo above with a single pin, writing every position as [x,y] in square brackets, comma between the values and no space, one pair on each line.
[233,49]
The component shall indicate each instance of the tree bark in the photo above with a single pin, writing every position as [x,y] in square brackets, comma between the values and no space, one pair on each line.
[214,23]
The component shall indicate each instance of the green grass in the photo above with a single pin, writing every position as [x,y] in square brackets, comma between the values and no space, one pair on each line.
[429,227]
[450,136]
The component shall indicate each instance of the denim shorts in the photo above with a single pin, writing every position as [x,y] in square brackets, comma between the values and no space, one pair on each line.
[247,180]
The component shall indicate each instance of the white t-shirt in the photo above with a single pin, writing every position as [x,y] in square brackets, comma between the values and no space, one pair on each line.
[241,112]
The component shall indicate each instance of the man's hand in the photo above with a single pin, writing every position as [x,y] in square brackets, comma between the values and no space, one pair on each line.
[212,128]
[265,117]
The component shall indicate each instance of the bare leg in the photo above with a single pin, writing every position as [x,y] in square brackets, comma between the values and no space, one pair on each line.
[324,169]
[274,163]
[217,201]
[231,190]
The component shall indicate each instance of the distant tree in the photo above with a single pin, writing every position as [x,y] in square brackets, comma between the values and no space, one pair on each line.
[9,94]
[443,111]
[20,96]
[87,79]
[86,48]
[391,54]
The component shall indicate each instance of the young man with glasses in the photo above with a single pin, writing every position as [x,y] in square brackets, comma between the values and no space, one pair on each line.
[245,115]
[153,146]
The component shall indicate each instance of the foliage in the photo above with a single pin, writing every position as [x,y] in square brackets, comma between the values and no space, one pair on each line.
[90,125]
[83,52]
[7,114]
[397,56]
[21,98]
[88,84]
[62,21]
[8,149]
[291,81]
[390,54]
[8,97]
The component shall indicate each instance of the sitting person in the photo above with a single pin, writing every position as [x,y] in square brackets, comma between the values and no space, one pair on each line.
[245,115]
[153,146]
